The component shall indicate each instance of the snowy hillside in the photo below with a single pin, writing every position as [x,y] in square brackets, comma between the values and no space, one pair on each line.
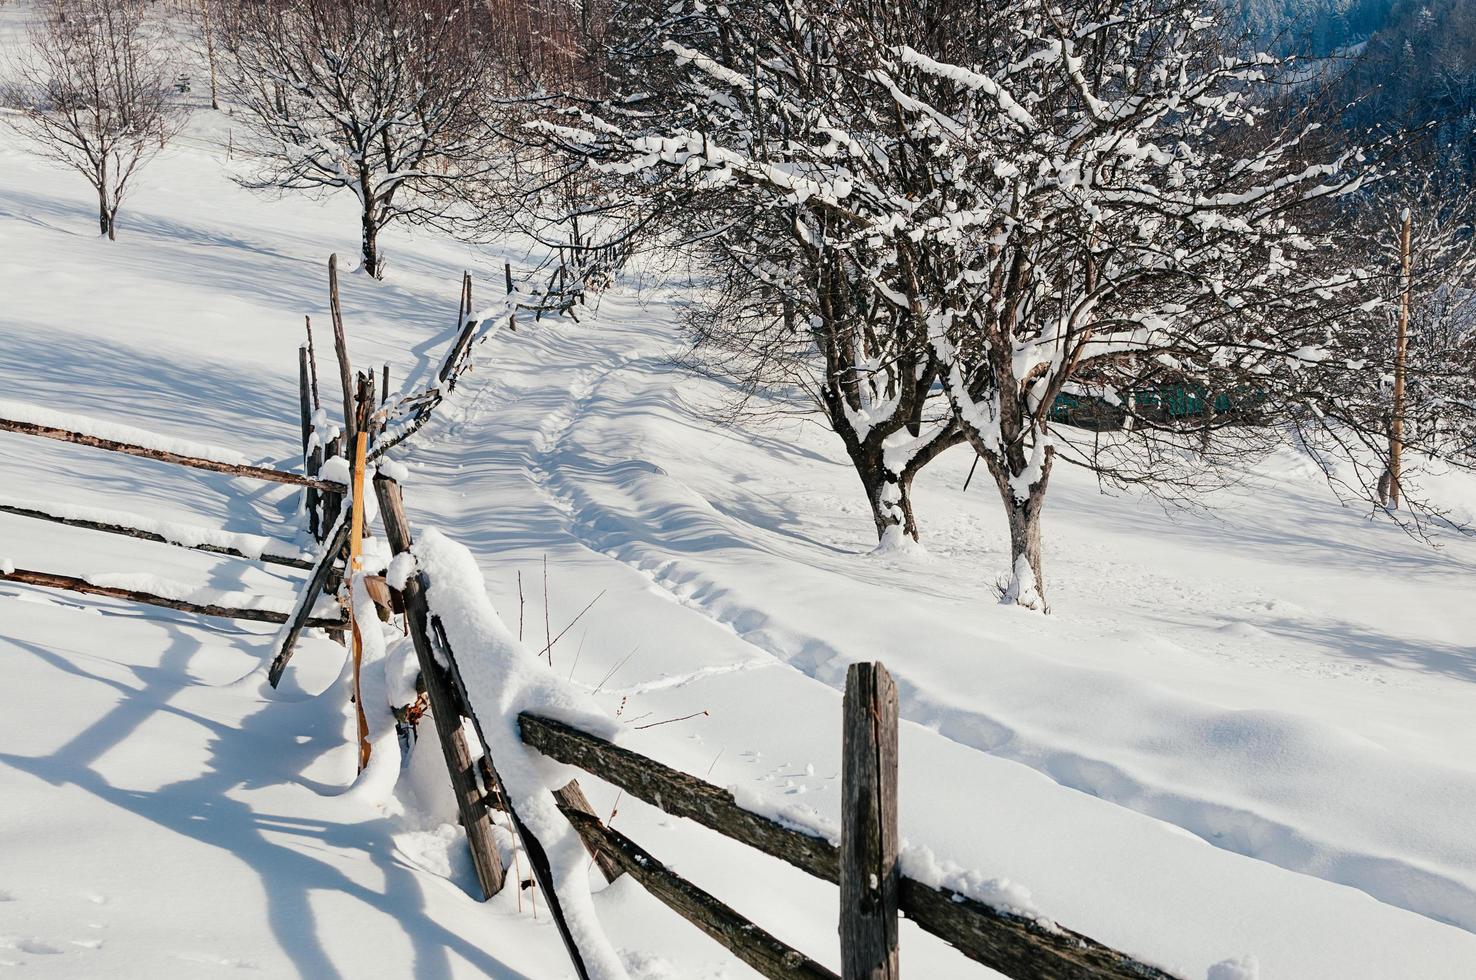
[1242,734]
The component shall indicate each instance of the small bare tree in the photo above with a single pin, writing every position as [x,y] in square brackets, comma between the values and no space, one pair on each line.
[90,91]
[388,99]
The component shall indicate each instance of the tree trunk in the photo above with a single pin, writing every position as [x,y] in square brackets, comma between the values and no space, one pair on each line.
[1396,423]
[371,239]
[890,495]
[1026,586]
[210,53]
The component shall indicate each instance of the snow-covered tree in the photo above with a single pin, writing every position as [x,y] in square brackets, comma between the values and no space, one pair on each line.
[1092,197]
[90,92]
[1111,207]
[795,301]
[386,98]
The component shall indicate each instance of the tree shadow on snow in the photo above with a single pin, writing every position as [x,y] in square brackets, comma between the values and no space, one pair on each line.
[292,735]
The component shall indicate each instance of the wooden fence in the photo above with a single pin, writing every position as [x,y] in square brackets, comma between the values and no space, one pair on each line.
[874,891]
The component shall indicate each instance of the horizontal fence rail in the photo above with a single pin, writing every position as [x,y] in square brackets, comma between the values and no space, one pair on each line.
[70,583]
[143,534]
[164,456]
[1014,945]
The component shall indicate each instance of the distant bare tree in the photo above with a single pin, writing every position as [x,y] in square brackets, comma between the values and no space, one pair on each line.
[89,90]
[386,98]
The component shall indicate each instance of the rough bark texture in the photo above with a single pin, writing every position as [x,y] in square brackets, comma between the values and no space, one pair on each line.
[143,452]
[571,797]
[1027,577]
[869,872]
[26,576]
[369,246]
[445,704]
[340,348]
[679,794]
[751,944]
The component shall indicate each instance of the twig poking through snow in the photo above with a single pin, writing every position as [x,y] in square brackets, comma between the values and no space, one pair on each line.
[671,721]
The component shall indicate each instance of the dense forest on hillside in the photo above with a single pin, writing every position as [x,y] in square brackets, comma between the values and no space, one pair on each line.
[1408,62]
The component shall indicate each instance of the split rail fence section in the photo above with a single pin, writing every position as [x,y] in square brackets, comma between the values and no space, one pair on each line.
[865,865]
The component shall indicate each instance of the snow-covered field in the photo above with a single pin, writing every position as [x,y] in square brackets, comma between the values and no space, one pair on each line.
[1242,732]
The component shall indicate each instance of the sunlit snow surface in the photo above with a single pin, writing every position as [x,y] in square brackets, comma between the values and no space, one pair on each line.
[1242,737]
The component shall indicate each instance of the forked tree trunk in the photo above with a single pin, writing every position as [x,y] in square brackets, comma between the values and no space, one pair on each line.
[890,495]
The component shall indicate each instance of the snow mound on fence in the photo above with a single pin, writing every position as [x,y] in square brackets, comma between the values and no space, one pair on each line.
[503,679]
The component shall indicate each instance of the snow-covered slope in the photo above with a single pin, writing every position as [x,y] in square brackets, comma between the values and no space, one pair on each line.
[1241,732]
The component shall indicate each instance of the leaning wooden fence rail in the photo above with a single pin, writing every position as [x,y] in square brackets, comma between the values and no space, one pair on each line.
[1014,945]
[248,470]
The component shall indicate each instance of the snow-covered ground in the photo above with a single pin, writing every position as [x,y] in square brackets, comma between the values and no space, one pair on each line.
[1242,732]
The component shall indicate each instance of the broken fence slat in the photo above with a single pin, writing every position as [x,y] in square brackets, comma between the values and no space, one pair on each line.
[69,583]
[571,797]
[163,456]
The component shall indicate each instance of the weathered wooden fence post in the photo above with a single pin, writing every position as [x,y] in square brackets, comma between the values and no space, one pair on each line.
[340,347]
[304,398]
[308,406]
[869,875]
[445,705]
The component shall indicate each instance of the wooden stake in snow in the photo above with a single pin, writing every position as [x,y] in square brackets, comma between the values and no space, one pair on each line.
[1401,347]
[466,327]
[868,852]
[304,399]
[306,599]
[340,346]
[356,545]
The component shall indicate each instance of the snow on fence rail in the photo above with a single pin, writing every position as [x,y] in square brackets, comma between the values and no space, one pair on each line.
[32,421]
[233,544]
[1013,944]
[326,481]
